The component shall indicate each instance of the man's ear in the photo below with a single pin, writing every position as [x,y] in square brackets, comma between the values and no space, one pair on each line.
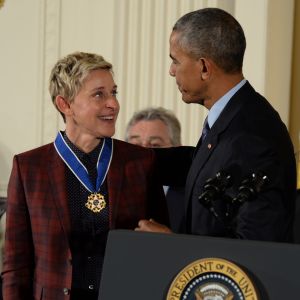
[63,105]
[205,68]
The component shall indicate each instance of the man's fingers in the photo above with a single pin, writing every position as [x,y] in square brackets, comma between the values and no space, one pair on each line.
[152,226]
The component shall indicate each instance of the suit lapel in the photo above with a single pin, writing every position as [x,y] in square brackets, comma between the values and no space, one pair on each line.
[57,180]
[115,179]
[202,155]
[210,143]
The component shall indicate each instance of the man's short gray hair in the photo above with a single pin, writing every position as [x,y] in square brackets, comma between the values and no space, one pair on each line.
[212,33]
[162,114]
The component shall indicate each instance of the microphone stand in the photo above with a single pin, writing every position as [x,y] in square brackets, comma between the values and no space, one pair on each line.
[214,189]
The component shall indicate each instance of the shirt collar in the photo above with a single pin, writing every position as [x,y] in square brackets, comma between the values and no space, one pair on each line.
[93,155]
[218,107]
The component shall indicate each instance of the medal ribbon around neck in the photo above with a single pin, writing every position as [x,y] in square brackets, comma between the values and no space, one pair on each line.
[81,173]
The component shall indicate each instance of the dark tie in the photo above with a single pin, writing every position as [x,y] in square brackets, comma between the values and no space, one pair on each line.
[205,131]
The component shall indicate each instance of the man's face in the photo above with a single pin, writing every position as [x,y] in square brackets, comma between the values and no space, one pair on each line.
[187,71]
[153,133]
[95,108]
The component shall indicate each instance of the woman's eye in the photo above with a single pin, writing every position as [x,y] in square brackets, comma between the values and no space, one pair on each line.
[105,95]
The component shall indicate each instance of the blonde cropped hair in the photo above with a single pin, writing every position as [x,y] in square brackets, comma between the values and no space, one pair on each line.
[69,73]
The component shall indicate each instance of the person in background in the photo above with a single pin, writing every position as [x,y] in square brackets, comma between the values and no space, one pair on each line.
[159,128]
[154,127]
[242,179]
[65,196]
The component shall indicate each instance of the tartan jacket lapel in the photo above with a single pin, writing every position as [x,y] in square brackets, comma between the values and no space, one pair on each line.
[57,180]
[115,180]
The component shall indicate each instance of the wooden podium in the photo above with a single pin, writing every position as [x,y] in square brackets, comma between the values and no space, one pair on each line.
[143,265]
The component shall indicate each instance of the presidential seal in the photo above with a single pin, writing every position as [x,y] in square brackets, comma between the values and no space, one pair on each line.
[212,279]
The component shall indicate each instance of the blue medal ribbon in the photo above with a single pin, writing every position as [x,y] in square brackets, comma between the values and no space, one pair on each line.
[78,169]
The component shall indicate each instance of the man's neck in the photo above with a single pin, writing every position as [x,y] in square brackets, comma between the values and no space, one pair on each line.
[220,86]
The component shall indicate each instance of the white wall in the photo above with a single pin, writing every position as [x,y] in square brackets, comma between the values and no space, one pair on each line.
[133,35]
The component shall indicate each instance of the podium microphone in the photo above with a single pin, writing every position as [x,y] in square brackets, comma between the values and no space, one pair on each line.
[250,187]
[214,189]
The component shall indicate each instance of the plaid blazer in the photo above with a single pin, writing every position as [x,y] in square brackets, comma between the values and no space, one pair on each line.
[37,262]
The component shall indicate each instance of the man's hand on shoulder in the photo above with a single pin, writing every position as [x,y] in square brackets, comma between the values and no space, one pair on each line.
[152,226]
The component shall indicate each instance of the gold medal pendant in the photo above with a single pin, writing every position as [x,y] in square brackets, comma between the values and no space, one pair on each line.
[95,202]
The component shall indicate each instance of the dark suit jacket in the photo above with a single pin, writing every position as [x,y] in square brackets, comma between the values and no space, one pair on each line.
[175,203]
[38,262]
[248,137]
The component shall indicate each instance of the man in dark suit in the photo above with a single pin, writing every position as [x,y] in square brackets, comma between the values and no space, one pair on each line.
[157,127]
[243,138]
[64,197]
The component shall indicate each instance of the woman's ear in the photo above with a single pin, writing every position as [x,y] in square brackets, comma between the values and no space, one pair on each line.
[62,105]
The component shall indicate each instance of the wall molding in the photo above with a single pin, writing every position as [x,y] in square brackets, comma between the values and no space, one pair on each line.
[50,53]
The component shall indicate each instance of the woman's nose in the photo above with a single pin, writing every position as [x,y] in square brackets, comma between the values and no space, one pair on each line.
[112,102]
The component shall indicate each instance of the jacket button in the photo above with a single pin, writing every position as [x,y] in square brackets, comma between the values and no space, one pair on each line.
[66,291]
